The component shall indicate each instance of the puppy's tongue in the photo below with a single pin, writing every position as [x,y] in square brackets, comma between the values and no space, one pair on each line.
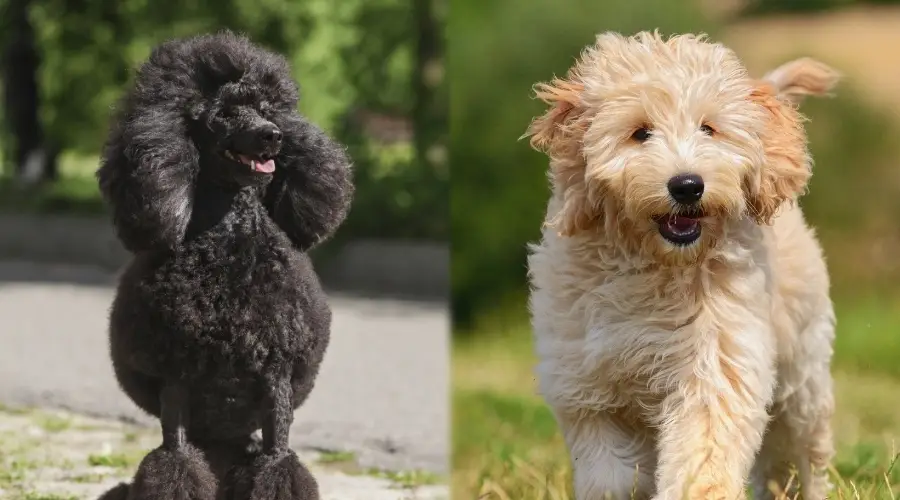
[266,167]
[680,224]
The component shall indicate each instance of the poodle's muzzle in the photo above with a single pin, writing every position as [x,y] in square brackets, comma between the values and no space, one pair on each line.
[256,146]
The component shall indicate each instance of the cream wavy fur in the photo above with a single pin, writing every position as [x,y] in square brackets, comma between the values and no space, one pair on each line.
[682,371]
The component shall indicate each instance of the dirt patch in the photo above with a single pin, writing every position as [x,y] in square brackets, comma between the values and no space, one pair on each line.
[55,455]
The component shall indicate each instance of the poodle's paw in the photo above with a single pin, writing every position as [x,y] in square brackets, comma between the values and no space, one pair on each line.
[174,475]
[274,477]
[118,492]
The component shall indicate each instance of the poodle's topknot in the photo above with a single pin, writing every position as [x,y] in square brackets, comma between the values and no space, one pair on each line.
[151,160]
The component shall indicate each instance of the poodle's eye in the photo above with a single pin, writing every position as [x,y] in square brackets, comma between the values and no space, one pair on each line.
[706,129]
[641,134]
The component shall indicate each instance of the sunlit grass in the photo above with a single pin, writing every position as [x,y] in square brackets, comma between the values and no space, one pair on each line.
[506,444]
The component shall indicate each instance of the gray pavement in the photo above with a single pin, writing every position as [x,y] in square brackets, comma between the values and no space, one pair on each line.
[382,392]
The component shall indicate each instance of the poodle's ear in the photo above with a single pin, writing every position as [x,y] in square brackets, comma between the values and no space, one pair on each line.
[559,133]
[310,194]
[787,166]
[147,177]
[799,78]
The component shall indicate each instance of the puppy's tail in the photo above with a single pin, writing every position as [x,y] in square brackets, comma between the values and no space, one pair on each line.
[802,77]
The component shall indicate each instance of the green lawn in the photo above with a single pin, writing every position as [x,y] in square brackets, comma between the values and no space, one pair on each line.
[506,444]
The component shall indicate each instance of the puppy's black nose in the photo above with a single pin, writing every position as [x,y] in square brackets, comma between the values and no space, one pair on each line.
[686,188]
[270,135]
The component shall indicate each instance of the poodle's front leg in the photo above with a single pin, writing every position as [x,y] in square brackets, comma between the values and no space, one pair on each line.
[708,438]
[177,469]
[276,474]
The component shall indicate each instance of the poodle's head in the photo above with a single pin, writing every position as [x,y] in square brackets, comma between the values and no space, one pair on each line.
[659,142]
[244,94]
[227,100]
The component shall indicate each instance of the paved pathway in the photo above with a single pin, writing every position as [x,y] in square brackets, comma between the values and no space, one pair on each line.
[382,393]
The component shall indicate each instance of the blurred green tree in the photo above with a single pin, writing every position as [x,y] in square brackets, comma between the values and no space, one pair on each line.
[762,7]
[369,71]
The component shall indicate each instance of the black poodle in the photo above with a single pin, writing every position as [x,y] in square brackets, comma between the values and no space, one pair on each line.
[219,187]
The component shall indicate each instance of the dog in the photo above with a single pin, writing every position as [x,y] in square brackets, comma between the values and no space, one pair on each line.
[219,187]
[680,303]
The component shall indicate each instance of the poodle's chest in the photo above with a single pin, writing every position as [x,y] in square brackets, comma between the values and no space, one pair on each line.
[232,290]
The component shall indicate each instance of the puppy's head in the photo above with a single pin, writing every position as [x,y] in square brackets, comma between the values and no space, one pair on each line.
[244,93]
[660,141]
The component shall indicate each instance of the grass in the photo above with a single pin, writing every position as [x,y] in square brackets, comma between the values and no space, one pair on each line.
[345,461]
[336,457]
[54,423]
[506,444]
[47,496]
[115,460]
[87,478]
[407,479]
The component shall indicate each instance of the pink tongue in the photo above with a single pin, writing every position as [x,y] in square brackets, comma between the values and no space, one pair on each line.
[679,224]
[266,167]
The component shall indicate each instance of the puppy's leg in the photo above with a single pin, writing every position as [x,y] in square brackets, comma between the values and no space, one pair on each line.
[276,473]
[709,436]
[177,469]
[774,462]
[611,458]
[800,434]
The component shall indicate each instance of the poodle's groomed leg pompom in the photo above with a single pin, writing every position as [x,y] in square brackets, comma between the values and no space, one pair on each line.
[278,476]
[176,470]
[276,473]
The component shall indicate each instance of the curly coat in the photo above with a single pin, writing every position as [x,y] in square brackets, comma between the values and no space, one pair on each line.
[682,368]
[220,324]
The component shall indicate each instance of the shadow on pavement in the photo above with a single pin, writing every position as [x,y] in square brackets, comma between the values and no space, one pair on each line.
[23,271]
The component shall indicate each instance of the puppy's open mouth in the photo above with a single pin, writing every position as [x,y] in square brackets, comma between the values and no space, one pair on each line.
[681,228]
[261,165]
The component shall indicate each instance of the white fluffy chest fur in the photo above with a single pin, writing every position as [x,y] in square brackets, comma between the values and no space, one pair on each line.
[614,332]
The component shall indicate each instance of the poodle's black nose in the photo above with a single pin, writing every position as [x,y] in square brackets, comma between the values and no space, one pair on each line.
[686,188]
[270,135]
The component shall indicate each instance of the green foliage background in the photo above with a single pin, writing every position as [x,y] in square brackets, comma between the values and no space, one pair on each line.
[346,55]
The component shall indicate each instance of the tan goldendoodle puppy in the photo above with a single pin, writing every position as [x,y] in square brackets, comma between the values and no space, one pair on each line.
[680,303]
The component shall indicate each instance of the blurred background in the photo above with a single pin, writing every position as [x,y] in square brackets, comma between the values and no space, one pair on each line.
[505,440]
[371,73]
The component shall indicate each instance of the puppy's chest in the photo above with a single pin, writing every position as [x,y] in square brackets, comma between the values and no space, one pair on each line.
[645,342]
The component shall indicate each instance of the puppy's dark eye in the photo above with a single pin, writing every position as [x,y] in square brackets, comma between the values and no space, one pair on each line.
[641,134]
[706,129]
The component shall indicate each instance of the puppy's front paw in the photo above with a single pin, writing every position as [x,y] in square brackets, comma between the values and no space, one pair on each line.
[174,475]
[274,477]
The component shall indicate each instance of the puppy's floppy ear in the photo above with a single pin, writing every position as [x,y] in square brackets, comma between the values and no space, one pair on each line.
[559,133]
[786,170]
[799,78]
[564,98]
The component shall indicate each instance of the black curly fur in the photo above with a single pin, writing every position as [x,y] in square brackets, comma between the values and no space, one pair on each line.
[220,299]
